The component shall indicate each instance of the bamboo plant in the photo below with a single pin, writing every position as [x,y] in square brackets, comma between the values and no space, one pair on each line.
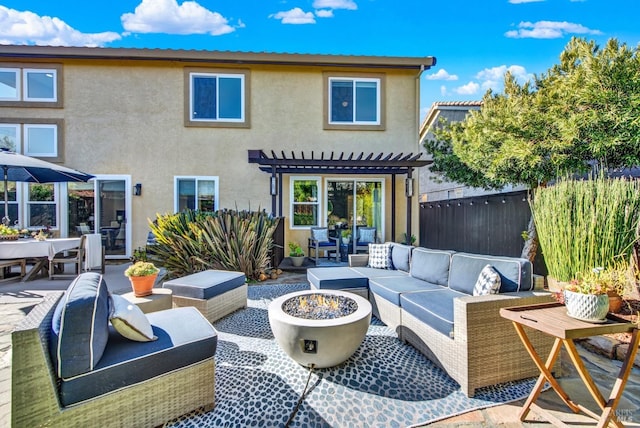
[584,224]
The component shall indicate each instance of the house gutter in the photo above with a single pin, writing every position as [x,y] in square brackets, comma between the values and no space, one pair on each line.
[222,57]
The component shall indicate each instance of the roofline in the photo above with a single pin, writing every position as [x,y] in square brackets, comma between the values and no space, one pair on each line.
[444,105]
[195,56]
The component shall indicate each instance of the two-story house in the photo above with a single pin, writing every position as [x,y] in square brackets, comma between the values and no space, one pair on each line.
[164,130]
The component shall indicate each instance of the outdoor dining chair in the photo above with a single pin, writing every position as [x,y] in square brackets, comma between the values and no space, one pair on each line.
[319,240]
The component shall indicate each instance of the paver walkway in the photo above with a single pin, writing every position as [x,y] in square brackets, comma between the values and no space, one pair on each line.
[16,299]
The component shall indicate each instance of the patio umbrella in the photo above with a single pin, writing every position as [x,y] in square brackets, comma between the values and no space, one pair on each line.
[17,167]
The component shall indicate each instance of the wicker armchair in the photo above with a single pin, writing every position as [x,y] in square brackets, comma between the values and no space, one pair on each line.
[34,390]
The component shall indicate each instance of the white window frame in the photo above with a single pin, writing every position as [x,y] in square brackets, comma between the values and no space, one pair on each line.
[18,75]
[18,127]
[354,81]
[25,83]
[27,206]
[317,202]
[28,126]
[197,178]
[217,76]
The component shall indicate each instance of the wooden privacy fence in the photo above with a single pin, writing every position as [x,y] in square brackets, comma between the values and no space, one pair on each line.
[491,224]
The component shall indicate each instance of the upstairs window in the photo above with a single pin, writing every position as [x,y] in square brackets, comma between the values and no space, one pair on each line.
[354,102]
[31,86]
[217,99]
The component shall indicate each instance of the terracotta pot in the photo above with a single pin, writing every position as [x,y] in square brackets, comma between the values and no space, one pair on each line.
[143,285]
[615,302]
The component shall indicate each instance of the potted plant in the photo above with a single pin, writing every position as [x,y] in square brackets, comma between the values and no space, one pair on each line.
[346,236]
[590,296]
[296,254]
[142,276]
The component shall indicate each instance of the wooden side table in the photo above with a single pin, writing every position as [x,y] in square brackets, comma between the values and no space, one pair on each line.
[159,300]
[552,319]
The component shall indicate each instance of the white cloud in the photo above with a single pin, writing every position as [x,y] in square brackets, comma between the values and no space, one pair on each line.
[324,13]
[548,30]
[166,16]
[24,27]
[468,89]
[295,16]
[441,74]
[493,78]
[335,4]
[524,1]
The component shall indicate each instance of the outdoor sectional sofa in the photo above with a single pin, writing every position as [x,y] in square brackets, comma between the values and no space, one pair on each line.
[70,367]
[427,297]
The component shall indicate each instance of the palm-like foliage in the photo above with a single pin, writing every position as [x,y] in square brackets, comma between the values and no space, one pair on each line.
[191,241]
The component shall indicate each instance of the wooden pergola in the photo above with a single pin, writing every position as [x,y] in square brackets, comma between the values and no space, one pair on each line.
[342,163]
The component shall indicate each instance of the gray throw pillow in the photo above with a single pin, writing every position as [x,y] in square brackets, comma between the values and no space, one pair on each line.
[320,235]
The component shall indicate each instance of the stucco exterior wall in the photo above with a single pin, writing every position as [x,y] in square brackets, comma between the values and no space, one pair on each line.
[127,118]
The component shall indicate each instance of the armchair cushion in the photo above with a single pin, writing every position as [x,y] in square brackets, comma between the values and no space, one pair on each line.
[80,326]
[366,235]
[380,256]
[129,320]
[320,234]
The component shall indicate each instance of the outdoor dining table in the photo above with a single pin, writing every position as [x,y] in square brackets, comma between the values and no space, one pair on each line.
[40,251]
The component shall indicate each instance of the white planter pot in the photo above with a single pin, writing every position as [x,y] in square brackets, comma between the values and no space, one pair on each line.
[297,261]
[586,307]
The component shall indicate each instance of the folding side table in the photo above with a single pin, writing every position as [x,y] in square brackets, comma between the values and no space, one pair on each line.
[552,319]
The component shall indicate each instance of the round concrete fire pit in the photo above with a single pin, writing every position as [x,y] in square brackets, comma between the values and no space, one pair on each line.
[319,328]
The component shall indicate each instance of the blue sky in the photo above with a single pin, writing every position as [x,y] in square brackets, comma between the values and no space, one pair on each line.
[475,42]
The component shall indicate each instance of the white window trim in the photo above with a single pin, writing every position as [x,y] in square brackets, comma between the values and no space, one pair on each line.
[241,77]
[26,212]
[354,80]
[18,127]
[25,83]
[318,203]
[52,154]
[16,71]
[215,179]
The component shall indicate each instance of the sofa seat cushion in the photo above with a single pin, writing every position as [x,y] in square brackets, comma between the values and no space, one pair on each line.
[434,308]
[375,273]
[80,326]
[185,337]
[515,273]
[336,278]
[390,288]
[431,265]
[206,285]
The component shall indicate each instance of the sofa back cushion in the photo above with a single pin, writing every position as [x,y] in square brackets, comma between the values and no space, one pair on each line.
[401,256]
[80,326]
[431,265]
[515,273]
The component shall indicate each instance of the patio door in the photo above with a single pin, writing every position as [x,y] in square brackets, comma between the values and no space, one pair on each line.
[102,206]
[355,203]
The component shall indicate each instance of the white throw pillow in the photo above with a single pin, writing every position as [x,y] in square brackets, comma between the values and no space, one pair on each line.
[130,321]
[488,282]
[380,256]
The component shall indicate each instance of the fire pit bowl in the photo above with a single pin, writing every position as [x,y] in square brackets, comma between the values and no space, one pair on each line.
[319,328]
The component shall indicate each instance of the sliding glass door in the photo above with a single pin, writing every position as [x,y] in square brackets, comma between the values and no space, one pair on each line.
[355,203]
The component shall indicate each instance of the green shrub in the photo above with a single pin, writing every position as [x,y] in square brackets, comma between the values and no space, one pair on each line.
[141,269]
[584,224]
[192,241]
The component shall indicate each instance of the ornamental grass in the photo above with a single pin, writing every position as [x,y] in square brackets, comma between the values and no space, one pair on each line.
[584,224]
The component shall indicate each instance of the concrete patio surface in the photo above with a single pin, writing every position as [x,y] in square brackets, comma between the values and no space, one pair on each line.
[17,299]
